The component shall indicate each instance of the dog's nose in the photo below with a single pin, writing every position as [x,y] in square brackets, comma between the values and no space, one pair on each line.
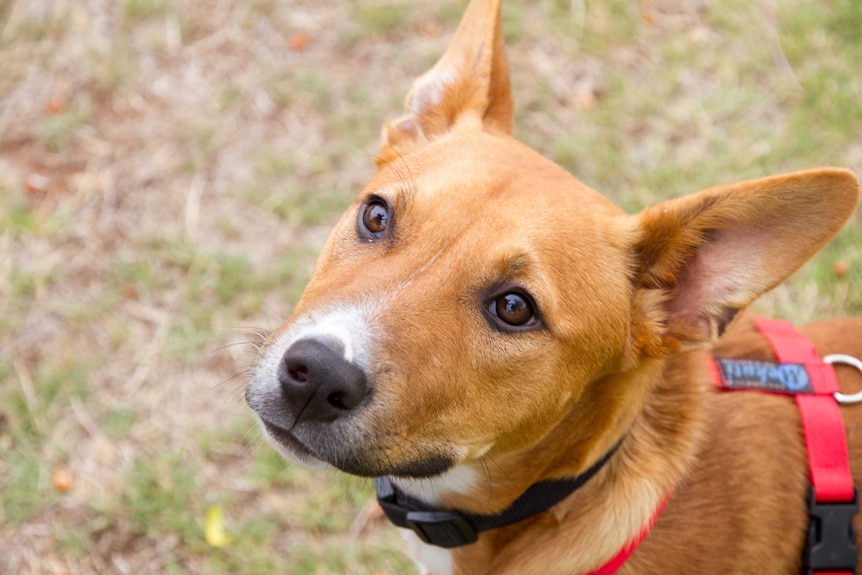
[318,383]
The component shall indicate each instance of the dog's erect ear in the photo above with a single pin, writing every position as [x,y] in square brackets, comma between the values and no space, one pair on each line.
[470,83]
[702,258]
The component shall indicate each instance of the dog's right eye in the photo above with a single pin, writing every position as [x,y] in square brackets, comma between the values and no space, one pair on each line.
[374,218]
[513,310]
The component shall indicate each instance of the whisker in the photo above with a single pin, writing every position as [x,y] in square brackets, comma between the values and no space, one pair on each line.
[487,471]
[274,312]
[502,471]
[236,343]
[259,332]
[412,183]
[243,373]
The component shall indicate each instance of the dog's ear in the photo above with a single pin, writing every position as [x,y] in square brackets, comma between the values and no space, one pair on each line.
[701,259]
[470,83]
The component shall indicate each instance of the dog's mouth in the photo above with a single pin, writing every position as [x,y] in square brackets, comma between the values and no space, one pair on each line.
[364,463]
[287,440]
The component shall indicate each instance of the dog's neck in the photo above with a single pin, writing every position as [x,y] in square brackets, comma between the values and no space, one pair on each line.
[658,444]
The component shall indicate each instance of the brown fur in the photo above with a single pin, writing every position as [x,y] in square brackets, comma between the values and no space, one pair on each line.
[740,504]
[628,306]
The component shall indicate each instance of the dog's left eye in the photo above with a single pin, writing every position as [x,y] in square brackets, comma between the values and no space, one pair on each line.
[374,218]
[514,309]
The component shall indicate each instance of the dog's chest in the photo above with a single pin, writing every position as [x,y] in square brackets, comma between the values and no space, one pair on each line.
[429,559]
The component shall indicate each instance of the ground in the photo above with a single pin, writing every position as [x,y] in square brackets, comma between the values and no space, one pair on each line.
[168,170]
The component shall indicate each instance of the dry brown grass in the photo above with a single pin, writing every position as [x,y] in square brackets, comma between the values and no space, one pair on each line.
[169,169]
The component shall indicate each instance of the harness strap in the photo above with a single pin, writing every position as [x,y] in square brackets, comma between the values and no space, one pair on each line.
[830,547]
[822,424]
[617,561]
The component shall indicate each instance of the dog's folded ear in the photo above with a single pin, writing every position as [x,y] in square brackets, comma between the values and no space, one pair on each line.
[701,259]
[469,84]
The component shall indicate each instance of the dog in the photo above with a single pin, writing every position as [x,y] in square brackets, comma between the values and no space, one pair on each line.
[480,322]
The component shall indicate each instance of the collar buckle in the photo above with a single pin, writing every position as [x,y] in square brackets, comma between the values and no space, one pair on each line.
[442,528]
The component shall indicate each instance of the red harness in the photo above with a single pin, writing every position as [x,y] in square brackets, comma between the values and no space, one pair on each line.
[831,546]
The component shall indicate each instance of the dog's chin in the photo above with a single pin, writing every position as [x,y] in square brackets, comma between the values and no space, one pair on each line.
[422,469]
[291,448]
[363,465]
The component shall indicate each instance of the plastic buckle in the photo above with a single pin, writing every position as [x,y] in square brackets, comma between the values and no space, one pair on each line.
[385,489]
[442,528]
[831,543]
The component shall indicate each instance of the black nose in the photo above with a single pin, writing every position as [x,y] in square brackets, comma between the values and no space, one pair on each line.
[318,384]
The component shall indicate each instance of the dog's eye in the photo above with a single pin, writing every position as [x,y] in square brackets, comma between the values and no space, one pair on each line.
[374,218]
[513,308]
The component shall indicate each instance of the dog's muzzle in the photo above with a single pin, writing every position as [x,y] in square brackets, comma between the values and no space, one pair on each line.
[306,395]
[318,407]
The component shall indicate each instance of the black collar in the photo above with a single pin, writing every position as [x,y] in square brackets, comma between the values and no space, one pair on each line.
[451,528]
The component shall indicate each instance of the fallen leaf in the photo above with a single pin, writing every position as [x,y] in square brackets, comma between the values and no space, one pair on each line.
[55,106]
[61,479]
[130,291]
[299,41]
[840,268]
[36,183]
[214,530]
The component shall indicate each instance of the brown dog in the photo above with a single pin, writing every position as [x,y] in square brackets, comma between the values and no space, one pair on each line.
[480,321]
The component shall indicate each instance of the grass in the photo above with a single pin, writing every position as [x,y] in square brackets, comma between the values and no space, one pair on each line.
[58,129]
[189,160]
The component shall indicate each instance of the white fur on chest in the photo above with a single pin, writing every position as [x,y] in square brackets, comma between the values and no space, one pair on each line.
[430,560]
[433,560]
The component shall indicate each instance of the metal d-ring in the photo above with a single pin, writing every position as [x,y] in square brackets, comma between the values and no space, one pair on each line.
[846,360]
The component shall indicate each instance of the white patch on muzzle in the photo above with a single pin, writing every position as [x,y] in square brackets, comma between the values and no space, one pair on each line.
[345,327]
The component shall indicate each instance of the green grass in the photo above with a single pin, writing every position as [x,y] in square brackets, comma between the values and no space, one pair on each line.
[118,422]
[230,283]
[381,18]
[30,400]
[28,403]
[268,469]
[161,498]
[307,208]
[142,9]
[58,129]
[25,490]
[817,291]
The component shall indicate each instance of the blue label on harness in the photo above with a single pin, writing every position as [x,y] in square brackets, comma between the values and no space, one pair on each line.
[791,378]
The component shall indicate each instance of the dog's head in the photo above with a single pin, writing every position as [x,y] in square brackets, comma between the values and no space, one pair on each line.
[476,294]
